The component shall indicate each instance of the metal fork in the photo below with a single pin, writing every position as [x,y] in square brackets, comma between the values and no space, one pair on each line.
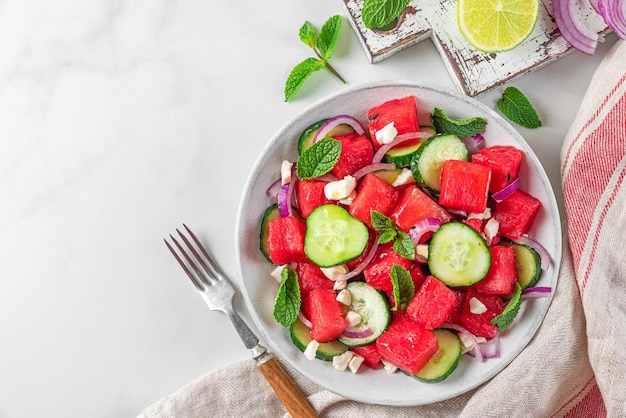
[218,293]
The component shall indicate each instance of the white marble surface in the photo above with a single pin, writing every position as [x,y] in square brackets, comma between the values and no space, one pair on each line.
[119,120]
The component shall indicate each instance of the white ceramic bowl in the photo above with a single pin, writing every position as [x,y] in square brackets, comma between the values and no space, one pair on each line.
[259,288]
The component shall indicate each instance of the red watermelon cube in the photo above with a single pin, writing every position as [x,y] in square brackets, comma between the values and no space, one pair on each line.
[378,272]
[321,307]
[432,304]
[464,186]
[455,315]
[502,275]
[516,214]
[407,344]
[402,112]
[370,354]
[356,153]
[310,277]
[373,194]
[285,240]
[309,195]
[479,324]
[413,206]
[504,162]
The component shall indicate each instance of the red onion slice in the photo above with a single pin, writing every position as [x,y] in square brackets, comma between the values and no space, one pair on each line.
[305,320]
[285,196]
[500,195]
[546,258]
[357,332]
[536,292]
[491,348]
[422,227]
[474,143]
[612,11]
[274,189]
[332,123]
[366,261]
[475,349]
[572,28]
[373,167]
[380,153]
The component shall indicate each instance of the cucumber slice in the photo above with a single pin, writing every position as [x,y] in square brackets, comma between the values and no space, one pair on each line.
[528,263]
[446,359]
[333,236]
[301,337]
[270,214]
[458,255]
[427,161]
[306,137]
[373,307]
[401,155]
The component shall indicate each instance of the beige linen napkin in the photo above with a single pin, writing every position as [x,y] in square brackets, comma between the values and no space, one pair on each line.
[575,366]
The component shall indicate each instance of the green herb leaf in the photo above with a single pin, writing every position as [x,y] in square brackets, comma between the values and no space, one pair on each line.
[318,159]
[299,74]
[377,14]
[308,34]
[443,124]
[403,286]
[287,303]
[329,35]
[516,107]
[387,236]
[404,246]
[385,227]
[509,313]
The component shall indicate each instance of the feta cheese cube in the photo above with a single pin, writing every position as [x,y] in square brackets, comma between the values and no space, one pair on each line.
[353,318]
[340,189]
[477,307]
[404,177]
[311,349]
[387,134]
[341,361]
[335,272]
[285,172]
[277,273]
[355,363]
[345,297]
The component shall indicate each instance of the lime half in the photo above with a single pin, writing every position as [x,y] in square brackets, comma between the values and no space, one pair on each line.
[497,25]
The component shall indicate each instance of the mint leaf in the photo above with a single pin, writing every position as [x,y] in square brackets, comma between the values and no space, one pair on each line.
[517,108]
[387,236]
[509,313]
[307,34]
[403,286]
[403,245]
[299,74]
[377,14]
[443,124]
[329,35]
[318,159]
[388,231]
[287,303]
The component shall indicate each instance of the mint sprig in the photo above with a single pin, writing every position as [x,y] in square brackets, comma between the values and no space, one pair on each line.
[287,303]
[444,124]
[323,46]
[377,14]
[318,159]
[506,318]
[403,287]
[388,231]
[517,108]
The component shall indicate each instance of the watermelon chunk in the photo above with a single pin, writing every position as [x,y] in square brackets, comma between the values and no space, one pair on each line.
[432,304]
[516,214]
[320,306]
[502,275]
[407,344]
[310,277]
[479,324]
[310,194]
[455,315]
[373,194]
[504,162]
[413,206]
[285,240]
[356,153]
[464,186]
[370,354]
[402,112]
[378,272]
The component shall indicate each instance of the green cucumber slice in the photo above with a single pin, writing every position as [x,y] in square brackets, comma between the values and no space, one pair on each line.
[301,337]
[401,155]
[458,255]
[333,236]
[445,361]
[528,263]
[306,137]
[427,161]
[270,214]
[375,312]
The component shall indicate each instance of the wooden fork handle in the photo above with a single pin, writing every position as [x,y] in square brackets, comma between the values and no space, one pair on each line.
[286,390]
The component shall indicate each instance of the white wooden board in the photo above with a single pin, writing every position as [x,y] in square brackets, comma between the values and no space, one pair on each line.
[474,72]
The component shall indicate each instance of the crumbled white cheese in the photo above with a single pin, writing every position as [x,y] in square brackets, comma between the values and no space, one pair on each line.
[477,307]
[355,363]
[341,361]
[353,318]
[340,284]
[403,178]
[421,250]
[340,189]
[285,172]
[345,297]
[311,349]
[277,273]
[348,200]
[485,215]
[335,272]
[491,228]
[389,367]
[467,344]
[387,134]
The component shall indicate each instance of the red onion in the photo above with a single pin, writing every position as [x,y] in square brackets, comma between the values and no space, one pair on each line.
[536,292]
[333,123]
[357,332]
[546,259]
[612,11]
[285,196]
[274,189]
[378,156]
[474,143]
[490,349]
[425,225]
[366,261]
[500,195]
[475,349]
[572,27]
[305,320]
[373,167]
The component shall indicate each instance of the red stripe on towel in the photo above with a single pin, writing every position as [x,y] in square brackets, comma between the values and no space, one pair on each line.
[592,405]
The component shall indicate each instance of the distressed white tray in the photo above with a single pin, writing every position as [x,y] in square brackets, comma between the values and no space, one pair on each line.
[473,72]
